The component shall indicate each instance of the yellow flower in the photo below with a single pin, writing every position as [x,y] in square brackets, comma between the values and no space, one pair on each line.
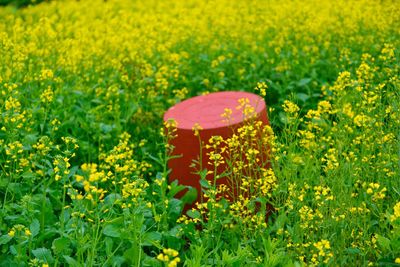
[174,262]
[169,256]
[11,233]
[227,115]
[12,103]
[46,74]
[28,232]
[196,129]
[290,107]
[396,213]
[47,95]
[262,87]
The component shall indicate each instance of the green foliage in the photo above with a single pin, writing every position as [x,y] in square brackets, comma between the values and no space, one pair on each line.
[19,3]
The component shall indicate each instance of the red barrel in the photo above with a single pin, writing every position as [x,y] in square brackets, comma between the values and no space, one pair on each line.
[206,111]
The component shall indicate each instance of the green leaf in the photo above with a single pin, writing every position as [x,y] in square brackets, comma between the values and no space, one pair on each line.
[151,238]
[111,230]
[28,175]
[30,139]
[195,214]
[43,254]
[131,255]
[203,174]
[205,183]
[353,251]
[118,220]
[106,128]
[303,82]
[109,245]
[157,160]
[112,198]
[173,241]
[13,250]
[71,261]
[387,262]
[4,239]
[34,227]
[60,244]
[303,97]
[118,261]
[190,196]
[151,262]
[283,118]
[175,208]
[383,242]
[175,188]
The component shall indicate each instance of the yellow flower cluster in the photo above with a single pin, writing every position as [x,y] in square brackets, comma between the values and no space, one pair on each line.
[47,96]
[12,103]
[245,157]
[262,88]
[308,217]
[375,190]
[13,149]
[215,155]
[14,116]
[170,257]
[323,192]
[61,167]
[248,110]
[351,135]
[117,167]
[43,145]
[196,129]
[19,229]
[246,215]
[169,132]
[227,115]
[247,152]
[396,212]
[324,254]
[291,108]
[267,183]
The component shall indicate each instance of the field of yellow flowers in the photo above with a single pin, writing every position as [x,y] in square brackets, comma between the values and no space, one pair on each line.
[84,151]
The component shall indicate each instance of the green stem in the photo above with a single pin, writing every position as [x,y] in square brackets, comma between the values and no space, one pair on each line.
[94,246]
[112,254]
[63,209]
[42,217]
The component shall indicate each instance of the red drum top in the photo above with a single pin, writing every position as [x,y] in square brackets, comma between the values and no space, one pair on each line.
[206,110]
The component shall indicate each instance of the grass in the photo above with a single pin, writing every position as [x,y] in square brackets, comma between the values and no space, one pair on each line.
[83,150]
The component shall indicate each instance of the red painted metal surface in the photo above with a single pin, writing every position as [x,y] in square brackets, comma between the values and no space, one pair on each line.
[206,111]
